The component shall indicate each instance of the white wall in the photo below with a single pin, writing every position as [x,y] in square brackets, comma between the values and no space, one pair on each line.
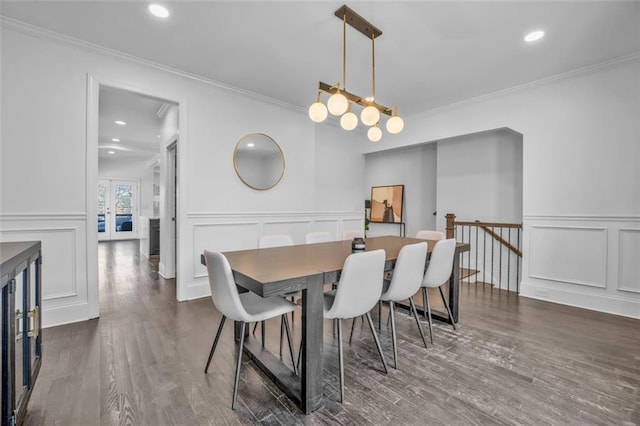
[416,169]
[581,179]
[45,147]
[480,178]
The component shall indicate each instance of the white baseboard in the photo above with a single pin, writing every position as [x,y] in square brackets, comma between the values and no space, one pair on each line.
[65,314]
[595,302]
[197,290]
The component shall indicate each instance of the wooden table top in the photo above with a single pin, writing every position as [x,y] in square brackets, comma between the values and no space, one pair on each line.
[279,264]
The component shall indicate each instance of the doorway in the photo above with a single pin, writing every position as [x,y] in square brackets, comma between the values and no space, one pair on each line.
[117,209]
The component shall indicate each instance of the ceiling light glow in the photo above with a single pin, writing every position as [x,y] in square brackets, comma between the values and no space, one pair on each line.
[534,36]
[111,152]
[120,123]
[158,10]
[115,139]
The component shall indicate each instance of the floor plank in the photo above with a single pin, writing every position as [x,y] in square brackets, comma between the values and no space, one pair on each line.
[511,361]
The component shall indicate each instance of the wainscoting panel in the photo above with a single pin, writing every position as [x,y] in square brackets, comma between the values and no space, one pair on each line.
[296,228]
[629,260]
[240,231]
[64,261]
[576,255]
[222,237]
[585,261]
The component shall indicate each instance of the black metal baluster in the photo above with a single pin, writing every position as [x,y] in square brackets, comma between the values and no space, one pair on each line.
[509,263]
[493,240]
[469,256]
[476,267]
[518,264]
[484,258]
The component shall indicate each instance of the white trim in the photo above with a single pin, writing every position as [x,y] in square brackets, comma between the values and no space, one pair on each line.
[601,302]
[620,283]
[535,83]
[35,31]
[232,215]
[602,285]
[43,216]
[582,217]
[65,314]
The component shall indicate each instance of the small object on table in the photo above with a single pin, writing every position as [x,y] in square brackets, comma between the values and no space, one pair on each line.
[358,244]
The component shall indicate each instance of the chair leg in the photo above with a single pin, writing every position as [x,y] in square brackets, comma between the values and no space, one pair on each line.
[379,314]
[375,337]
[425,302]
[238,364]
[446,305]
[353,326]
[427,311]
[285,320]
[215,343]
[293,317]
[281,335]
[393,335]
[340,361]
[299,356]
[254,329]
[415,315]
[262,330]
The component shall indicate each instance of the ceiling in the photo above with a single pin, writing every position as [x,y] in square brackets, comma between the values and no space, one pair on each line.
[139,139]
[431,53]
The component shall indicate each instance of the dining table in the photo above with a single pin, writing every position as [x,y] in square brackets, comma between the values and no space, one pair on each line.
[306,268]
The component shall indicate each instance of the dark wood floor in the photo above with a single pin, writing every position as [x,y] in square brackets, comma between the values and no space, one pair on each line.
[512,361]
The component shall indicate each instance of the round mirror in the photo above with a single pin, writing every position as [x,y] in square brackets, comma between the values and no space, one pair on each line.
[259,161]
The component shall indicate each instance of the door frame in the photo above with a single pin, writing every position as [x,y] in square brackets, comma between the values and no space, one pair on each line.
[136,214]
[94,82]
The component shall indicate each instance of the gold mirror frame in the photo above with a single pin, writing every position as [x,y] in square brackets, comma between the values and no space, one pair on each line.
[266,138]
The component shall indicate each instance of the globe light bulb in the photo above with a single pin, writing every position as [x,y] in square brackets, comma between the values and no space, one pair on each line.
[370,115]
[337,104]
[395,125]
[317,112]
[349,121]
[374,134]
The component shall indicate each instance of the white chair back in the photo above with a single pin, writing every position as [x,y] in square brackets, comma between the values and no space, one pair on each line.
[431,235]
[360,285]
[275,240]
[223,287]
[350,235]
[407,273]
[317,237]
[440,263]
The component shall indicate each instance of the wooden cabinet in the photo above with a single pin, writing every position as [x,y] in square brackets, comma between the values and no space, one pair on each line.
[20,319]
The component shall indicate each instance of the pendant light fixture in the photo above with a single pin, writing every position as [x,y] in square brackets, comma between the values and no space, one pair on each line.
[340,101]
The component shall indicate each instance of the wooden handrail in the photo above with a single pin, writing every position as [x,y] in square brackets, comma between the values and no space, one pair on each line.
[501,240]
[451,226]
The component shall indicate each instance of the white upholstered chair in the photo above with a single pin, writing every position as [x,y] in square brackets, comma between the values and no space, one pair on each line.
[350,235]
[431,235]
[438,272]
[317,237]
[407,279]
[244,308]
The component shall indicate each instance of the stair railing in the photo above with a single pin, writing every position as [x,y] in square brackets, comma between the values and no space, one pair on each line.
[495,258]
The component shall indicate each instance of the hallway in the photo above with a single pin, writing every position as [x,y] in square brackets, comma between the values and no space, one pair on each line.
[512,361]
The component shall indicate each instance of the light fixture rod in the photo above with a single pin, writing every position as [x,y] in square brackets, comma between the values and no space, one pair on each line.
[354,98]
[344,51]
[373,67]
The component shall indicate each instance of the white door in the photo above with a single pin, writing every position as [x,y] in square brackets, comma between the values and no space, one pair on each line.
[117,209]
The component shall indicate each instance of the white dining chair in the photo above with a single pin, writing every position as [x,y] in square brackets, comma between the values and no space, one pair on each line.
[358,292]
[350,235]
[268,241]
[438,273]
[317,237]
[245,308]
[405,283]
[431,235]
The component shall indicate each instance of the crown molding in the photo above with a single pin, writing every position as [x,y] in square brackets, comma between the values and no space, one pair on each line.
[634,57]
[39,32]
[581,217]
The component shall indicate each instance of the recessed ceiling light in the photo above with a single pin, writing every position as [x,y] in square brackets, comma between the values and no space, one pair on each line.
[158,10]
[115,139]
[120,123]
[250,145]
[111,152]
[534,36]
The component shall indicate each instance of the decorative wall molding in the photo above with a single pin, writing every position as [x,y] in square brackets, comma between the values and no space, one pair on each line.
[35,31]
[232,215]
[582,218]
[633,259]
[634,57]
[43,216]
[565,252]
